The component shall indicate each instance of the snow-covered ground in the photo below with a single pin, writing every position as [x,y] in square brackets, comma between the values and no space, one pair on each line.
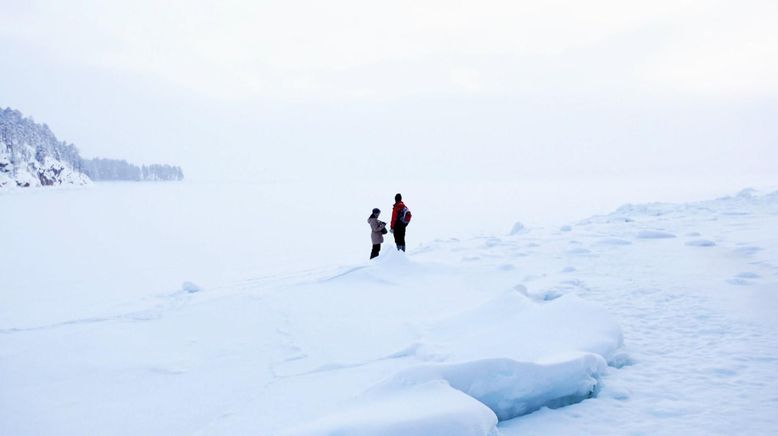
[166,310]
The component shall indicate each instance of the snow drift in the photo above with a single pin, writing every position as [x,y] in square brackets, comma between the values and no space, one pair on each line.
[510,356]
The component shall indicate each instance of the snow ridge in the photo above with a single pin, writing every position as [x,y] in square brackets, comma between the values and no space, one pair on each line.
[509,356]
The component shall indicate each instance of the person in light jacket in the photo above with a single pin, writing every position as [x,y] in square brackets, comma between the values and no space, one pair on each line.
[377,230]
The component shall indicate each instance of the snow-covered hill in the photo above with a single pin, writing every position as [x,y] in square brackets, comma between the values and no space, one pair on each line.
[653,319]
[30,156]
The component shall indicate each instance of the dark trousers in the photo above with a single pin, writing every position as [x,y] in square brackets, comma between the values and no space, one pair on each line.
[399,236]
[376,249]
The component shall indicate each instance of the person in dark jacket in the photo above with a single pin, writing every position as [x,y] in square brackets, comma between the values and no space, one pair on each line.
[400,214]
[377,230]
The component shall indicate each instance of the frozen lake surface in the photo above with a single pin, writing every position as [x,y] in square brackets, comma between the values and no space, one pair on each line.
[197,308]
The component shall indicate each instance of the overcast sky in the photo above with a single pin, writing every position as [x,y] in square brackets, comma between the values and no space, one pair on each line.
[439,89]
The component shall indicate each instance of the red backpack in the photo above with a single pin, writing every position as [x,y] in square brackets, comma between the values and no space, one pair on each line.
[404,216]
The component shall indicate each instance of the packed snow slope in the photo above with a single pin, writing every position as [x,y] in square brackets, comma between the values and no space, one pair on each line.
[654,319]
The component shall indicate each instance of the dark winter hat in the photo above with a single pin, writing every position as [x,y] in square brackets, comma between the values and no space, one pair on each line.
[398,197]
[376,211]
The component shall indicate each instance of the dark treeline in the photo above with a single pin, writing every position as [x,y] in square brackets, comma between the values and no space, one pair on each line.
[114,169]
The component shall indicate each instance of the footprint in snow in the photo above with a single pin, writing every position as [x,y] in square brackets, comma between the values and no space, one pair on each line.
[533,277]
[723,372]
[190,287]
[550,294]
[492,242]
[700,243]
[654,234]
[748,275]
[294,357]
[747,250]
